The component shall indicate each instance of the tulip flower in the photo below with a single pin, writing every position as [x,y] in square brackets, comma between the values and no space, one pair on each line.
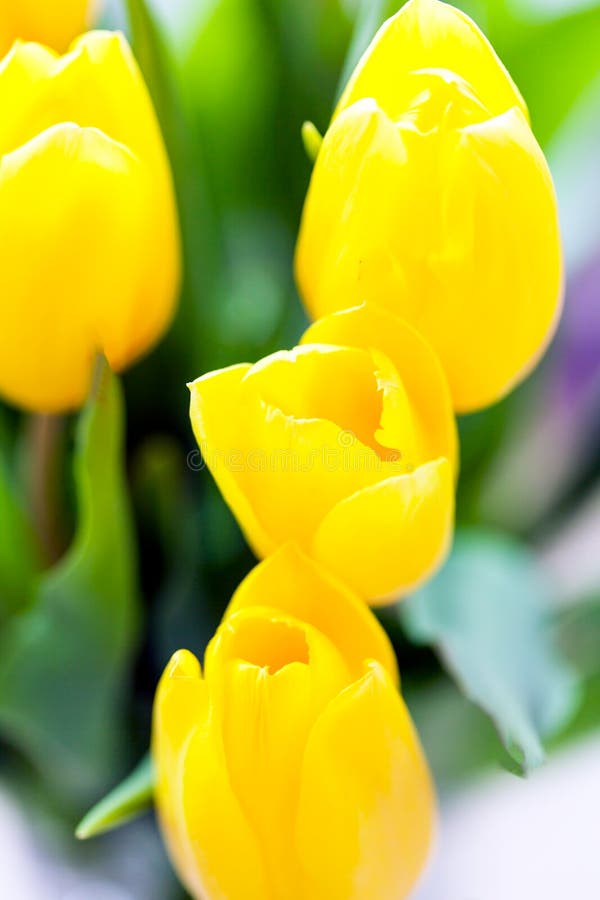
[290,769]
[54,24]
[89,247]
[348,450]
[431,197]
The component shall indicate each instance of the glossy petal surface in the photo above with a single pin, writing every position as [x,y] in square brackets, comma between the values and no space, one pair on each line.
[384,540]
[428,34]
[364,766]
[90,246]
[55,24]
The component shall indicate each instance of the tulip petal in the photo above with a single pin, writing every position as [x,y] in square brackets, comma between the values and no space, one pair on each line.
[97,84]
[267,462]
[116,98]
[492,293]
[357,187]
[269,642]
[181,702]
[366,806]
[71,304]
[98,87]
[413,358]
[385,539]
[200,816]
[501,201]
[271,676]
[291,582]
[55,24]
[314,441]
[463,240]
[220,422]
[304,383]
[217,830]
[21,73]
[427,34]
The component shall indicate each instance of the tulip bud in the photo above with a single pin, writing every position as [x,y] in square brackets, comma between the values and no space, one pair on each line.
[291,770]
[54,24]
[431,198]
[347,450]
[89,247]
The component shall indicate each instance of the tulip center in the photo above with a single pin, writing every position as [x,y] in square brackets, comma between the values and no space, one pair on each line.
[269,644]
[337,384]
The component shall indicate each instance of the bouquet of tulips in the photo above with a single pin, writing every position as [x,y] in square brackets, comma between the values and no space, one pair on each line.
[428,260]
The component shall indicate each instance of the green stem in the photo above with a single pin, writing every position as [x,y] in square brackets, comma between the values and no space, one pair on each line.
[45,442]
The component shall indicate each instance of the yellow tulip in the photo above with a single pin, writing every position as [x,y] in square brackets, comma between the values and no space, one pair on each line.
[431,198]
[53,23]
[89,246]
[291,769]
[347,450]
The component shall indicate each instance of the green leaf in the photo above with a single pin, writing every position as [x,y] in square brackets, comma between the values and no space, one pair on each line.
[487,613]
[130,799]
[554,63]
[312,140]
[64,661]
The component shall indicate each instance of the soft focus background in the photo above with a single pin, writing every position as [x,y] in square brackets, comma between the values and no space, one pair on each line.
[514,617]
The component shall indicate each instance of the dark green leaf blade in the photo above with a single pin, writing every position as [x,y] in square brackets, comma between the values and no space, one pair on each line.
[64,661]
[130,799]
[486,613]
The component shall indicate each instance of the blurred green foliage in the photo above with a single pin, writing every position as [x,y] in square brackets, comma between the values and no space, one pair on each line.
[233,81]
[487,613]
[65,656]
